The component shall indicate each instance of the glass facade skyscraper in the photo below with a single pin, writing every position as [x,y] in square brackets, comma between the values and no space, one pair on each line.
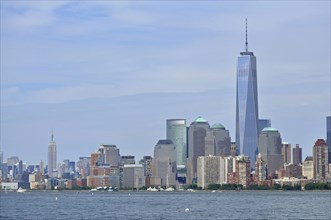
[247,105]
[177,133]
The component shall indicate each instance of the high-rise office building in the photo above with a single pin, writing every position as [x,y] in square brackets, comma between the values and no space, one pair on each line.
[196,146]
[297,154]
[133,176]
[177,133]
[320,159]
[220,141]
[247,105]
[264,123]
[52,154]
[42,167]
[286,152]
[110,154]
[164,162]
[146,161]
[328,135]
[270,149]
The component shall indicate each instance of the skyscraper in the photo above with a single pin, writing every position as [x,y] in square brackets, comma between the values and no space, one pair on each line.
[247,105]
[328,135]
[320,159]
[196,146]
[297,154]
[52,171]
[220,141]
[286,152]
[177,133]
[264,123]
[270,149]
[110,154]
[164,162]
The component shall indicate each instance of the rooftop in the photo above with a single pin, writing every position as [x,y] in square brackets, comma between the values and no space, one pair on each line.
[200,120]
[218,126]
[269,129]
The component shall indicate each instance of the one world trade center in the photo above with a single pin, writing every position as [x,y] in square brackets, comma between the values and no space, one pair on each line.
[247,105]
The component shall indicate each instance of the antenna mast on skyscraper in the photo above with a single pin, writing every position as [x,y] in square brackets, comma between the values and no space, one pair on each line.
[52,135]
[246,37]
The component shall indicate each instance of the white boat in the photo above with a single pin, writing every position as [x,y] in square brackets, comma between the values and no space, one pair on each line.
[150,189]
[20,190]
[169,189]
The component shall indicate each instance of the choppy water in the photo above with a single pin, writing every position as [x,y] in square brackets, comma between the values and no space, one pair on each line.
[166,205]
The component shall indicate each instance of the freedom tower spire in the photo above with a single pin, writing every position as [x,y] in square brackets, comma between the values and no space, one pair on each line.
[247,105]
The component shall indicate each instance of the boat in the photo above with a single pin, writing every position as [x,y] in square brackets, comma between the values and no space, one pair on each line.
[150,189]
[20,190]
[169,189]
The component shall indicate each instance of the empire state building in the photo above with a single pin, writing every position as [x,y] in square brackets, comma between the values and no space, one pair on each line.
[247,105]
[52,171]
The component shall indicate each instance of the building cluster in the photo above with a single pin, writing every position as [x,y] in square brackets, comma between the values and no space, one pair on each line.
[196,154]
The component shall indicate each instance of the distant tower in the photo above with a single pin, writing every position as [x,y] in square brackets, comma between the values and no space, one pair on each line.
[164,162]
[247,105]
[297,154]
[270,149]
[42,167]
[177,133]
[196,146]
[286,152]
[52,171]
[328,135]
[260,170]
[320,158]
[110,155]
[264,123]
[221,140]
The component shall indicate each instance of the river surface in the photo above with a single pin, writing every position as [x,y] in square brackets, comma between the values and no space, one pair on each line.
[166,205]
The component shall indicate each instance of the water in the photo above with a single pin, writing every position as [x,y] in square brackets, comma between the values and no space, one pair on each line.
[166,205]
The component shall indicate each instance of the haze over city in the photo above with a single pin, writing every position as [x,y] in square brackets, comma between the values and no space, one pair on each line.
[110,72]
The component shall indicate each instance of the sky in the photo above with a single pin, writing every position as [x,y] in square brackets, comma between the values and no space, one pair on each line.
[113,72]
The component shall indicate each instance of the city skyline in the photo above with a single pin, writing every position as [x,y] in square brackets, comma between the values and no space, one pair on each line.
[115,72]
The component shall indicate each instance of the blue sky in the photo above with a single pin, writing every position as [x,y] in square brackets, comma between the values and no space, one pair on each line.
[113,72]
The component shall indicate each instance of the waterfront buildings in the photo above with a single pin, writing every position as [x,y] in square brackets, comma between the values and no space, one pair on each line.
[247,105]
[147,161]
[270,149]
[286,152]
[133,176]
[320,159]
[260,173]
[308,168]
[241,171]
[164,164]
[52,154]
[297,154]
[196,146]
[211,170]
